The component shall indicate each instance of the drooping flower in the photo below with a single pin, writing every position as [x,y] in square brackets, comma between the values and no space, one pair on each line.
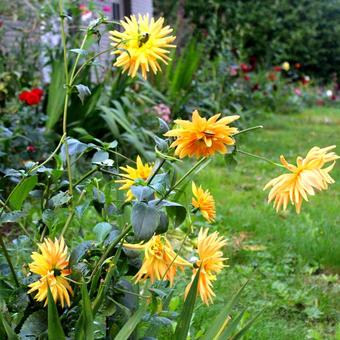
[285,66]
[142,44]
[211,263]
[160,260]
[203,201]
[309,174]
[141,172]
[52,266]
[202,137]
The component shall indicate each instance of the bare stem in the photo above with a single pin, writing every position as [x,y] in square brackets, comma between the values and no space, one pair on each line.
[260,157]
[249,129]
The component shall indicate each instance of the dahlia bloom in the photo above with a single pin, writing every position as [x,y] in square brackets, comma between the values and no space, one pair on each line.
[202,137]
[211,263]
[160,261]
[142,44]
[204,201]
[304,178]
[52,266]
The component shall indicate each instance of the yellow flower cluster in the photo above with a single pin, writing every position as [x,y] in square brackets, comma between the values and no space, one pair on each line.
[161,262]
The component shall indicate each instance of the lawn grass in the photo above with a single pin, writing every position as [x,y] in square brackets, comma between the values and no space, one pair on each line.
[297,256]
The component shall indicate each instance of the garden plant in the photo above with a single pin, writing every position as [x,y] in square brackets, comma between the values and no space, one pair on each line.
[114,238]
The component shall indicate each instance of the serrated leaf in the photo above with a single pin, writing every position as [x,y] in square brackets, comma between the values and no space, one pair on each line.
[145,220]
[55,330]
[83,91]
[21,191]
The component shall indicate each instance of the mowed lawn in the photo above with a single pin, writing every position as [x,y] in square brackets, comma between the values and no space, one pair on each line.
[297,257]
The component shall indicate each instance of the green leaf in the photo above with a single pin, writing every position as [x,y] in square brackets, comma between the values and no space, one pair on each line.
[55,330]
[100,156]
[79,51]
[56,93]
[21,191]
[83,91]
[183,324]
[60,199]
[241,332]
[230,327]
[85,329]
[34,326]
[12,216]
[80,251]
[218,325]
[131,324]
[145,220]
[8,330]
[101,230]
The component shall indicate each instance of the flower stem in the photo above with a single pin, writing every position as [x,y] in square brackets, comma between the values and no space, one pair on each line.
[249,129]
[260,157]
[157,168]
[188,173]
[109,249]
[8,258]
[88,174]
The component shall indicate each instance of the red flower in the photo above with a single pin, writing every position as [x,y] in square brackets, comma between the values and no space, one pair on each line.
[277,68]
[32,97]
[297,65]
[23,96]
[38,91]
[320,102]
[246,68]
[31,148]
[246,77]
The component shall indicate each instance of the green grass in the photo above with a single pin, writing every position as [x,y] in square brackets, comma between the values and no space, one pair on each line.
[297,256]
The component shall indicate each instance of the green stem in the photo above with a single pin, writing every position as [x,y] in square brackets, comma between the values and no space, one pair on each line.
[260,157]
[89,60]
[72,78]
[36,167]
[115,174]
[109,250]
[88,174]
[249,129]
[8,258]
[188,173]
[154,173]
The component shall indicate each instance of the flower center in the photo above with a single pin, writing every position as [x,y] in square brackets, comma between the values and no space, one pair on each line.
[57,272]
[143,39]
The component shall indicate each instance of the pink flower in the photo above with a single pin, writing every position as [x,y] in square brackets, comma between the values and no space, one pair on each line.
[163,111]
[298,91]
[107,9]
[233,70]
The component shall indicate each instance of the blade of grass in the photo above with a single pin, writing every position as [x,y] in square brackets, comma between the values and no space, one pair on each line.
[183,324]
[55,330]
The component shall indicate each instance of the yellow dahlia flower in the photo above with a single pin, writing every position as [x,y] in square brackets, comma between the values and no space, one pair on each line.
[51,264]
[141,172]
[211,262]
[160,260]
[304,178]
[142,44]
[203,201]
[201,137]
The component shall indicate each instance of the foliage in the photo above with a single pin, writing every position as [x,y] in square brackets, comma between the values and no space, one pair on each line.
[297,31]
